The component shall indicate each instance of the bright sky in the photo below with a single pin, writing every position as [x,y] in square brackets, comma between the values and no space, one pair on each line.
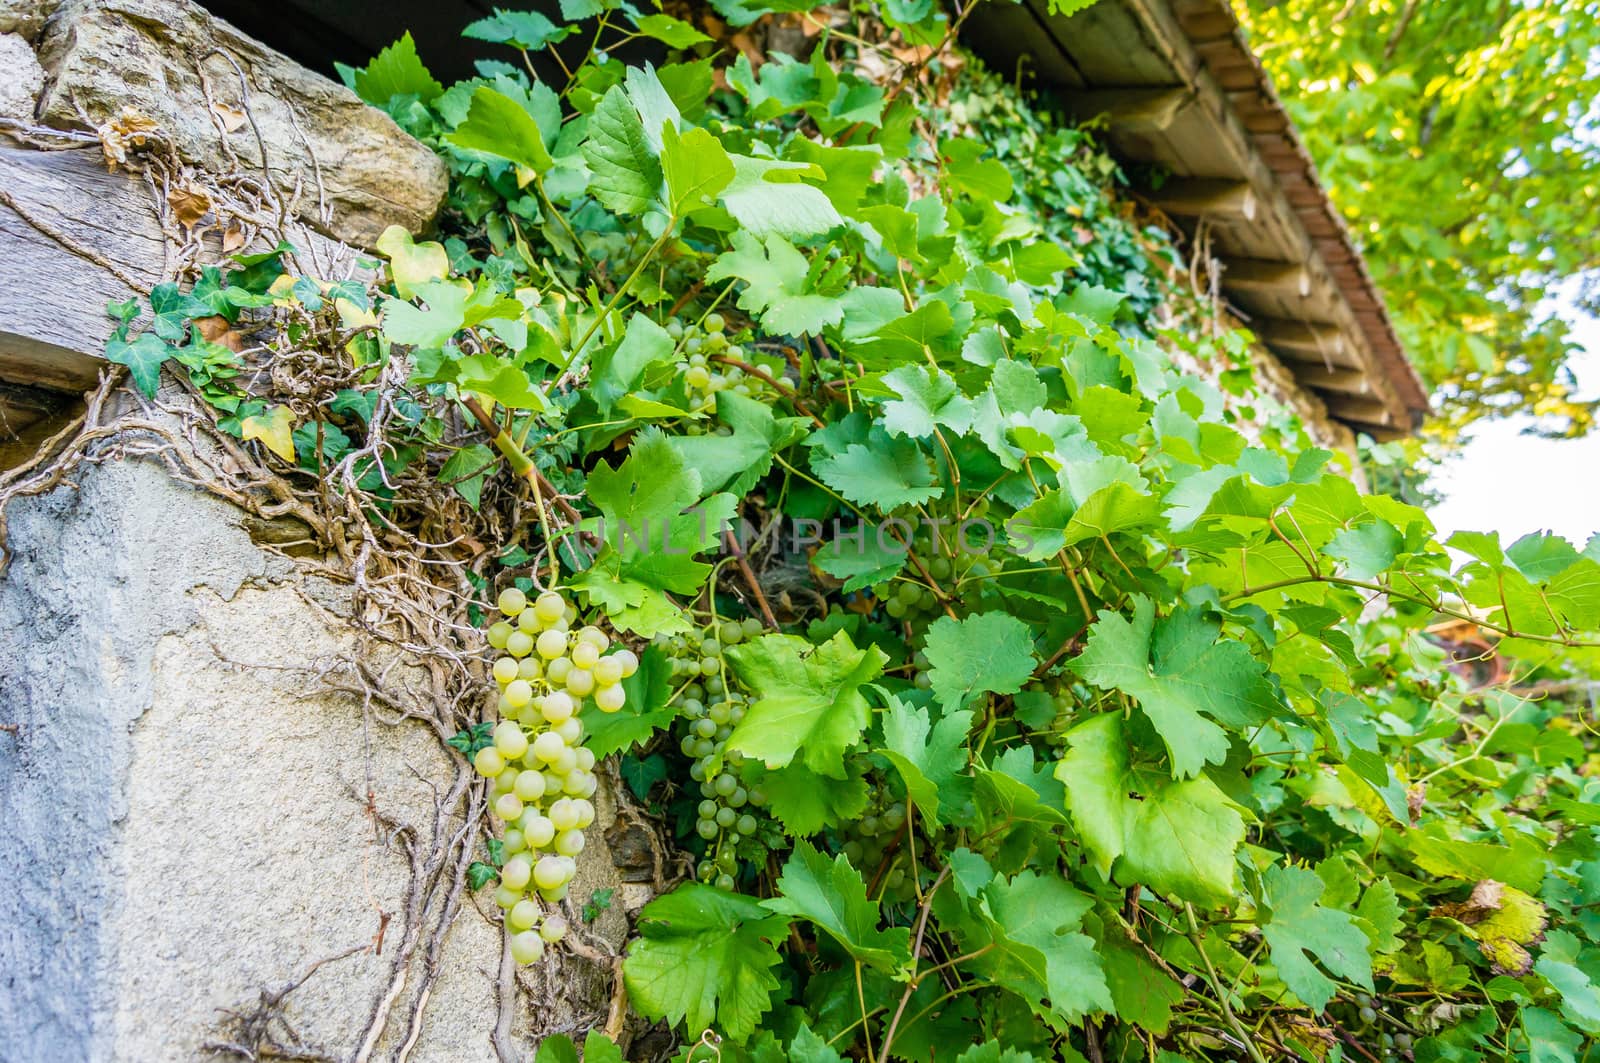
[1515,484]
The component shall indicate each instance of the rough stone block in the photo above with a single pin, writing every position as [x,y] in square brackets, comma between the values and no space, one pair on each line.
[23,80]
[203,81]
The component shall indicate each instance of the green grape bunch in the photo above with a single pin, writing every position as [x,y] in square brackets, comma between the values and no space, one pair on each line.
[543,777]
[729,819]
[715,364]
[868,837]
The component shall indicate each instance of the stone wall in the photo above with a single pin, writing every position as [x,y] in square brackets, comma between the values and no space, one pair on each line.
[187,818]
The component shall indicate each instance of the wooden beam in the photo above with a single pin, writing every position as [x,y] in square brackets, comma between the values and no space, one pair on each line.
[74,237]
[1320,340]
[1290,280]
[1337,380]
[1141,111]
[1206,198]
[1363,411]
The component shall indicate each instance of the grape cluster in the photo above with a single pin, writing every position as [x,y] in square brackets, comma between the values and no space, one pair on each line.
[867,839]
[543,777]
[1368,1015]
[703,345]
[709,707]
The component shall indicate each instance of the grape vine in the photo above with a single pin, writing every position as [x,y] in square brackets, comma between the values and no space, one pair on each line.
[1011,693]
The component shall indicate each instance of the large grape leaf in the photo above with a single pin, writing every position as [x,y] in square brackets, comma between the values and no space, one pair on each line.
[1180,674]
[985,653]
[704,956]
[832,895]
[1300,929]
[807,699]
[1177,837]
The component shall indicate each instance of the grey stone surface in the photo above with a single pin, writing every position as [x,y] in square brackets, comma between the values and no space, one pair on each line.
[98,577]
[184,819]
[201,80]
[24,17]
[23,78]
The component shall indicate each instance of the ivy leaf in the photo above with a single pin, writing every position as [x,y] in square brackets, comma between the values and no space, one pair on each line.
[432,327]
[412,264]
[806,698]
[1179,674]
[833,897]
[704,956]
[1176,837]
[144,358]
[1300,929]
[465,471]
[776,285]
[929,757]
[985,653]
[274,428]
[500,126]
[625,175]
[480,874]
[884,476]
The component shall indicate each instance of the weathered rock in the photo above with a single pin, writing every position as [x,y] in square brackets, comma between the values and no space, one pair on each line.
[186,817]
[355,171]
[23,80]
[25,18]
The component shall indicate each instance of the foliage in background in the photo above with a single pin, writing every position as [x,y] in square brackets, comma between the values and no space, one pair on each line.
[1126,738]
[1458,139]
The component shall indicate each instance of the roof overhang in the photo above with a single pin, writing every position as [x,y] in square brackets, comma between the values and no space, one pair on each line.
[1177,86]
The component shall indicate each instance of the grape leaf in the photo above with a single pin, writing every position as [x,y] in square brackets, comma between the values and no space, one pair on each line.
[884,476]
[805,698]
[833,896]
[704,956]
[929,757]
[984,653]
[928,398]
[1179,674]
[1300,929]
[1176,837]
[804,807]
[1032,921]
[776,285]
[528,30]
[625,175]
[695,167]
[643,712]
[768,198]
[500,126]
[673,32]
[395,71]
